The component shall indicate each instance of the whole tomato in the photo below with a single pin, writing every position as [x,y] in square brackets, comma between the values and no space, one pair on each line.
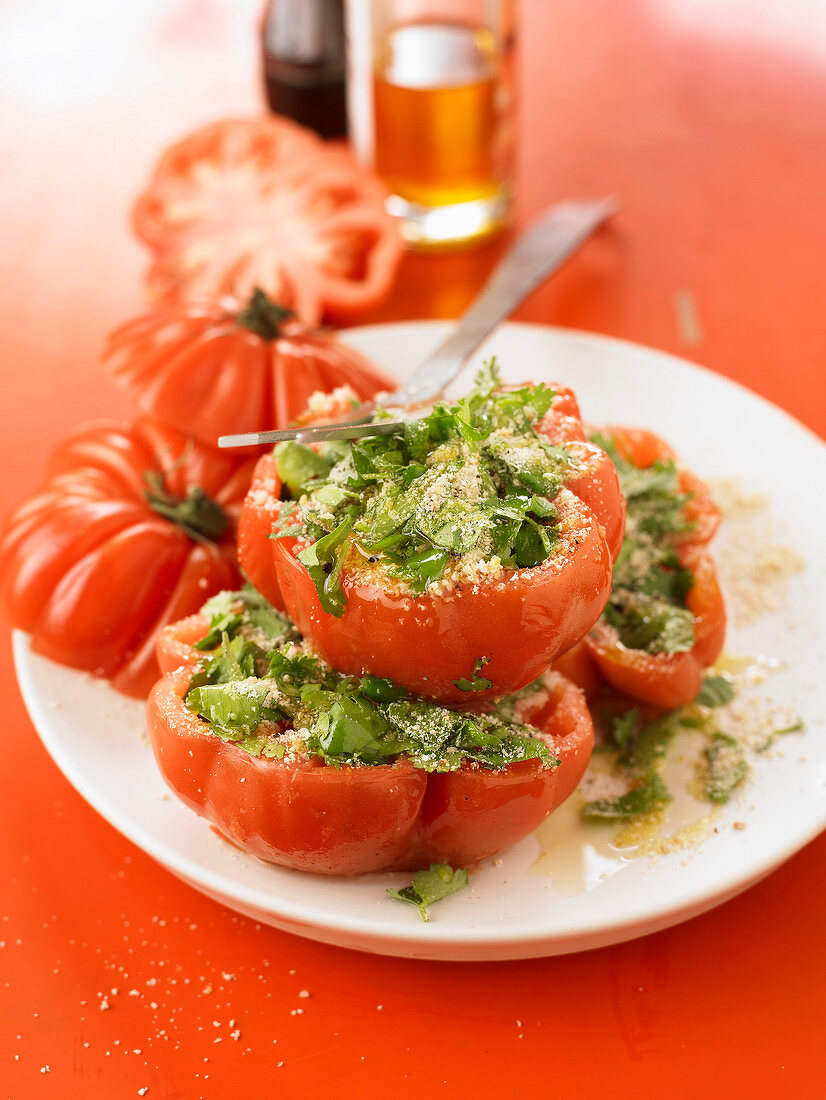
[262,202]
[221,368]
[133,528]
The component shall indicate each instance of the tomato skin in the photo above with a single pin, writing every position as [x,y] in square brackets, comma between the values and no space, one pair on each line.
[324,245]
[194,367]
[594,478]
[174,646]
[473,813]
[92,572]
[255,547]
[596,483]
[521,620]
[353,820]
[667,680]
[643,448]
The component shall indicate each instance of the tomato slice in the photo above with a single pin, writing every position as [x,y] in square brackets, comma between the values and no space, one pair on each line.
[475,812]
[247,203]
[593,478]
[298,813]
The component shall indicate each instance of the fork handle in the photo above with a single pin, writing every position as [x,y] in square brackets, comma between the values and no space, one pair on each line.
[540,251]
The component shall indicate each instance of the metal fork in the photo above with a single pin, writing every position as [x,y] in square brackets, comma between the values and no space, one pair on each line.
[537,253]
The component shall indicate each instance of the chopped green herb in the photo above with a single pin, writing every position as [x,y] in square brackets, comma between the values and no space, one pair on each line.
[725,768]
[644,751]
[258,697]
[478,682]
[624,726]
[647,606]
[649,795]
[471,477]
[794,727]
[298,464]
[716,691]
[247,612]
[431,886]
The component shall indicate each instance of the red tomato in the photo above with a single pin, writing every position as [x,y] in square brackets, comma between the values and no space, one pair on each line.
[520,620]
[262,202]
[255,547]
[174,646]
[643,448]
[593,479]
[213,369]
[92,570]
[352,820]
[261,507]
[668,680]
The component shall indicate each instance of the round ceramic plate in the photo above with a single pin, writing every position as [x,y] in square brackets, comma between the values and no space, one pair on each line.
[571,886]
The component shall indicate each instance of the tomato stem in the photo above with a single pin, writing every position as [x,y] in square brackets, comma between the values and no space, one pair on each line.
[263,316]
[197,514]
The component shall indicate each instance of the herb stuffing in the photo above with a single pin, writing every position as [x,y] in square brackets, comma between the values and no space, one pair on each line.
[273,698]
[469,485]
[647,603]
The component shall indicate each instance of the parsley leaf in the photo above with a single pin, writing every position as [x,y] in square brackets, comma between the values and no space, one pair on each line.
[716,691]
[725,767]
[431,886]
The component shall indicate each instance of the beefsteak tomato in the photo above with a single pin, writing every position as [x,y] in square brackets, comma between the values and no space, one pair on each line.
[262,202]
[518,621]
[309,816]
[515,623]
[133,528]
[661,679]
[213,369]
[667,680]
[642,448]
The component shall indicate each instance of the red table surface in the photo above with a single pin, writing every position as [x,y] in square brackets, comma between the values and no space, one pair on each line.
[708,118]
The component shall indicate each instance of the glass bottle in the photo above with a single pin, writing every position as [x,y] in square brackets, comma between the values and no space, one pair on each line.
[304,63]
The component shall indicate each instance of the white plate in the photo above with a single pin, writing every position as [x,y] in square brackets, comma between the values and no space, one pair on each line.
[515,908]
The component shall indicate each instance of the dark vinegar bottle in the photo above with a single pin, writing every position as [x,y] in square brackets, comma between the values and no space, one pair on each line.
[304,63]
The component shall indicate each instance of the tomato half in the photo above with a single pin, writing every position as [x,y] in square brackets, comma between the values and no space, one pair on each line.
[302,814]
[262,202]
[643,448]
[92,570]
[520,621]
[212,369]
[668,679]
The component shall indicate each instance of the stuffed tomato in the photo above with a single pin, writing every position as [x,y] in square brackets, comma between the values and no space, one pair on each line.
[665,620]
[457,557]
[313,770]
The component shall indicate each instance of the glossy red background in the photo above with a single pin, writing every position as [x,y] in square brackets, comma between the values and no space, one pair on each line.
[708,118]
